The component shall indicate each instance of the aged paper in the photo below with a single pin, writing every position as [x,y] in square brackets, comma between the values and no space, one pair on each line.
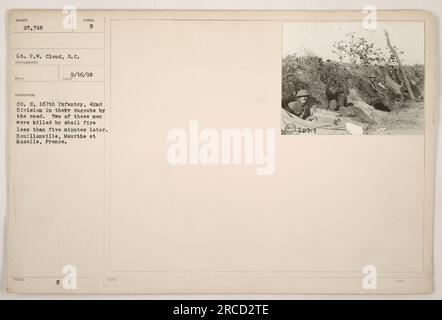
[178,152]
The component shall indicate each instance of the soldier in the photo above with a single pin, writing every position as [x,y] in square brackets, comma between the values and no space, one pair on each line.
[374,94]
[301,107]
[351,111]
[336,98]
[400,80]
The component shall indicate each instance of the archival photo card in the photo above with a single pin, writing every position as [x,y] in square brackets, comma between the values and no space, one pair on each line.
[221,152]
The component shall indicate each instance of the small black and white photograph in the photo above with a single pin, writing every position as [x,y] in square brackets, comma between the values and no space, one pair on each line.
[345,78]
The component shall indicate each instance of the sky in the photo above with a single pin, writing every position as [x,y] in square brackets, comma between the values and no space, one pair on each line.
[319,37]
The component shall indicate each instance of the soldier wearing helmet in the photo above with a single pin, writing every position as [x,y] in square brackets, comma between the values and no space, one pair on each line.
[374,94]
[301,107]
